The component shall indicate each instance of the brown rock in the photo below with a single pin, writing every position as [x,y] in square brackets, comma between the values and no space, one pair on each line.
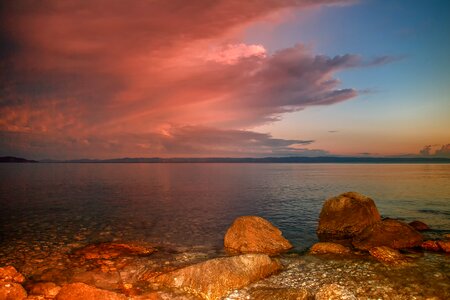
[391,233]
[112,250]
[10,274]
[46,289]
[78,291]
[99,279]
[419,226]
[215,278]
[334,292]
[12,291]
[252,234]
[388,255]
[279,293]
[329,248]
[430,246]
[346,216]
[445,245]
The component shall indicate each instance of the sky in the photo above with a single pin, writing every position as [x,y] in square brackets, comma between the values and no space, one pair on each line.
[224,78]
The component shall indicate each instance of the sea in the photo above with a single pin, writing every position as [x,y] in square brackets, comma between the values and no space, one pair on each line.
[187,208]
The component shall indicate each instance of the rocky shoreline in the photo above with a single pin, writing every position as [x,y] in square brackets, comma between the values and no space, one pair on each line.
[255,264]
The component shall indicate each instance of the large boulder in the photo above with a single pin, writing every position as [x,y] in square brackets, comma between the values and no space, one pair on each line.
[253,234]
[389,232]
[346,216]
[329,248]
[419,226]
[12,291]
[215,278]
[388,256]
[78,291]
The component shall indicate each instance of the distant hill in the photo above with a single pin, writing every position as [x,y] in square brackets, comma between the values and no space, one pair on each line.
[320,159]
[12,159]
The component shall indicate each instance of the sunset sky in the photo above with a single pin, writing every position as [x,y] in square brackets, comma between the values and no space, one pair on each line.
[215,78]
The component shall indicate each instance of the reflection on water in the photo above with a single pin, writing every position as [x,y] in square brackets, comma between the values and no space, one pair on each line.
[192,204]
[49,207]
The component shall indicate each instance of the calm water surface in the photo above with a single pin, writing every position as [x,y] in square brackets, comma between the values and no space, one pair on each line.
[193,204]
[48,210]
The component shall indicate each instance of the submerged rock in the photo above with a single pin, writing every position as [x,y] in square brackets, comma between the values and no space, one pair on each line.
[430,246]
[10,274]
[253,234]
[159,295]
[388,255]
[391,233]
[112,250]
[99,279]
[279,293]
[329,248]
[45,289]
[78,291]
[334,292]
[215,278]
[346,216]
[419,226]
[12,291]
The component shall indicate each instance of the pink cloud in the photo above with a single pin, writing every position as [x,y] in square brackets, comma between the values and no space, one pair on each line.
[120,74]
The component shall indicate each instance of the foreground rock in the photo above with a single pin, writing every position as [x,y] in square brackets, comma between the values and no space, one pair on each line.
[45,289]
[252,234]
[334,292]
[78,291]
[329,248]
[444,245]
[346,216]
[10,274]
[215,278]
[391,233]
[279,293]
[112,250]
[419,226]
[389,256]
[12,291]
[430,246]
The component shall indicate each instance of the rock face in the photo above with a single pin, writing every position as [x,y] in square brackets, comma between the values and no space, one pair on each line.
[329,248]
[391,233]
[78,291]
[252,234]
[419,226]
[10,274]
[12,291]
[346,216]
[112,250]
[388,255]
[334,292]
[279,293]
[215,278]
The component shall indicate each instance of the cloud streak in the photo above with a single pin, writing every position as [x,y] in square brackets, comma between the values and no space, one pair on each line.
[167,78]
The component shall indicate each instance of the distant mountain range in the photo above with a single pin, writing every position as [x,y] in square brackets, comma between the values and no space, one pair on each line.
[320,159]
[12,159]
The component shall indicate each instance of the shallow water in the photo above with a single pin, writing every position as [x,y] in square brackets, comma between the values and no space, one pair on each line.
[49,209]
